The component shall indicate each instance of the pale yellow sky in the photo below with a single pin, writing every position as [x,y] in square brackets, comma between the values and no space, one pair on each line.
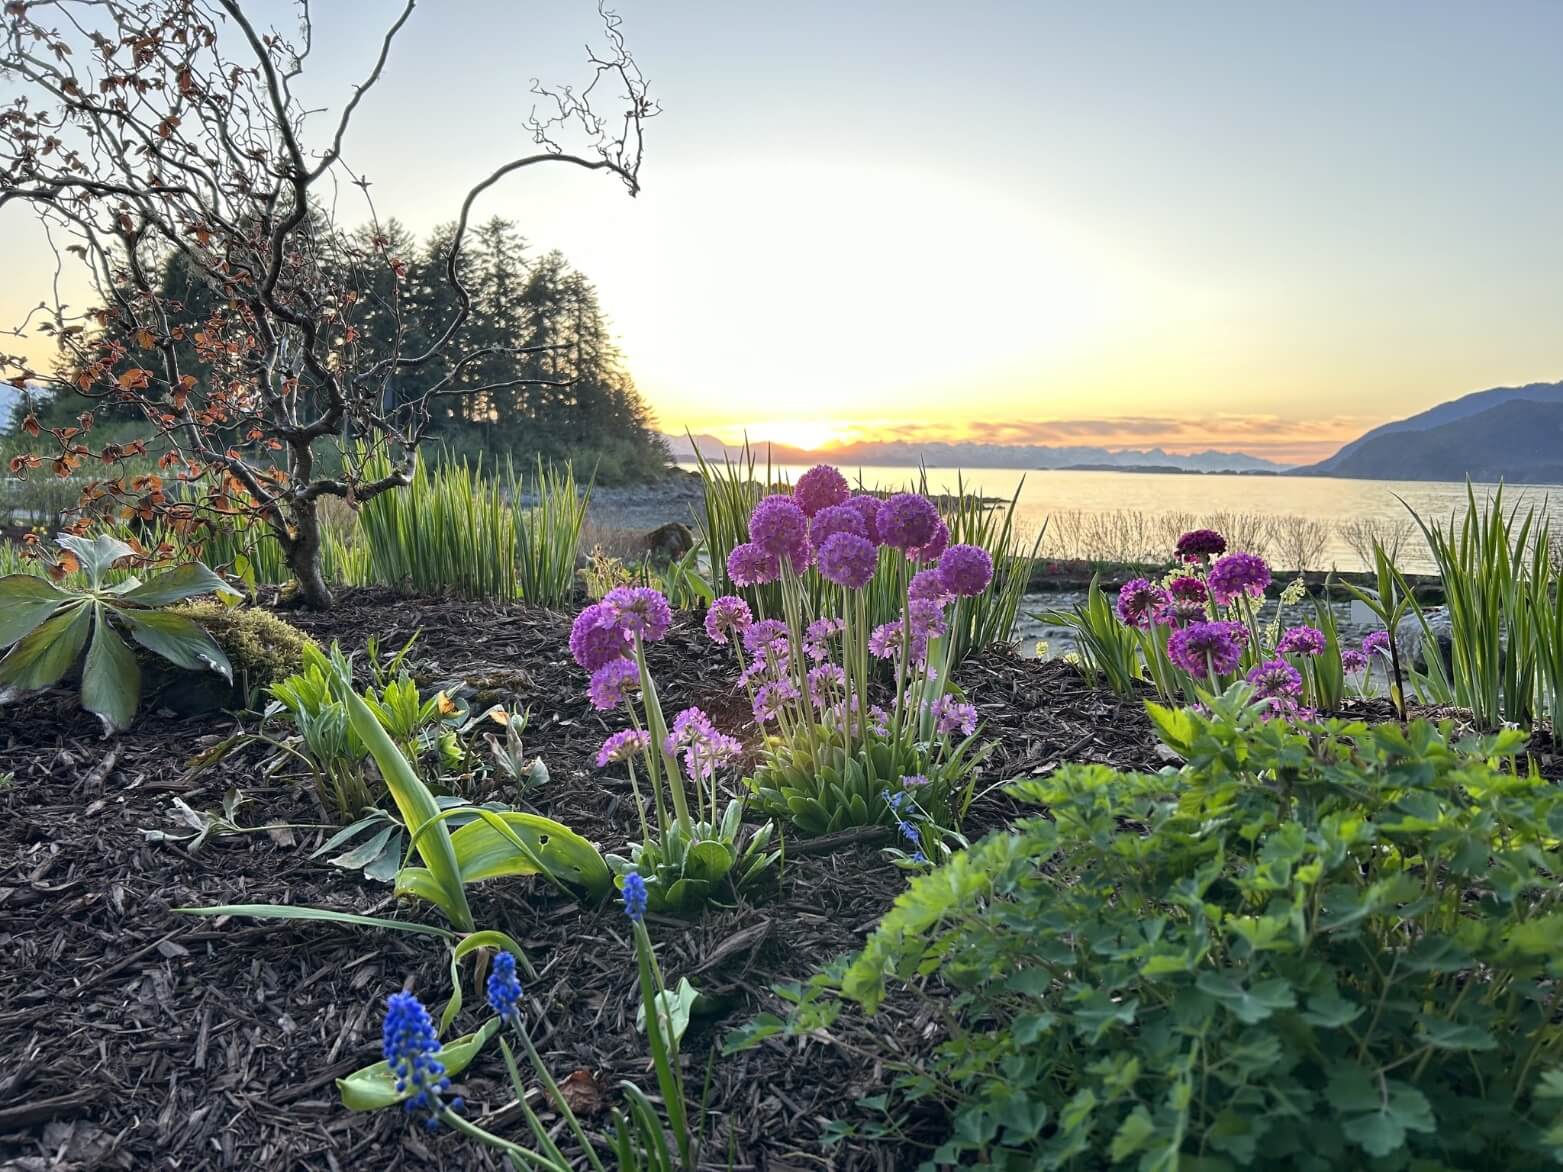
[1211,225]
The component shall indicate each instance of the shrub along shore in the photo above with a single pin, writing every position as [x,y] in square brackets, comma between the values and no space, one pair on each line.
[775,851]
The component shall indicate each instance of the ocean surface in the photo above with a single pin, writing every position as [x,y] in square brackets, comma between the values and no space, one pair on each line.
[1088,514]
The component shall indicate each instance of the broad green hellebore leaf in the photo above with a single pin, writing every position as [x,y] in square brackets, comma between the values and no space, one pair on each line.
[110,680]
[49,651]
[25,601]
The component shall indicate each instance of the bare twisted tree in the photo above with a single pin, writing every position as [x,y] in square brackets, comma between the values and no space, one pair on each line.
[151,131]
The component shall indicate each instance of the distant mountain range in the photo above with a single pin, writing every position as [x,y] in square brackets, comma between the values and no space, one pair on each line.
[9,397]
[1513,434]
[895,453]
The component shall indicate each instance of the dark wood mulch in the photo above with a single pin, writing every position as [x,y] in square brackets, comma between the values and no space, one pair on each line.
[137,1038]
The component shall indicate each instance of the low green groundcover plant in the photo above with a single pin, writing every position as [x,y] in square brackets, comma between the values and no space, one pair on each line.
[47,627]
[1314,946]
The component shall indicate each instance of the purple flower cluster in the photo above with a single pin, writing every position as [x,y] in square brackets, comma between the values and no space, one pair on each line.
[835,519]
[885,640]
[613,684]
[705,749]
[820,488]
[932,549]
[771,698]
[1283,708]
[907,521]
[602,640]
[1203,648]
[779,527]
[1274,678]
[867,507]
[965,570]
[1377,643]
[728,615]
[825,680]
[1199,545]
[926,618]
[749,565]
[596,638]
[765,635]
[951,715]
[848,560]
[928,584]
[1238,574]
[1139,602]
[922,618]
[623,746]
[1353,661]
[638,610]
[1186,598]
[817,636]
[1308,641]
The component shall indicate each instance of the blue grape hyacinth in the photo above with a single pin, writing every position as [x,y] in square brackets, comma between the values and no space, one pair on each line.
[635,897]
[504,987]
[410,1046]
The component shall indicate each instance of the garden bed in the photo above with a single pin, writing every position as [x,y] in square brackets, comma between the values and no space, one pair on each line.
[138,1038]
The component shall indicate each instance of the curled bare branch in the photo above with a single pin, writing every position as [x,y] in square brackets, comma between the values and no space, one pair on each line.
[163,142]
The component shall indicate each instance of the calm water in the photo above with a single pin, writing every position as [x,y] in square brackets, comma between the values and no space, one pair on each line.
[1138,506]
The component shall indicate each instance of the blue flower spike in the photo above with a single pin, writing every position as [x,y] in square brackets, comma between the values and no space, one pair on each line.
[410,1045]
[504,987]
[634,897]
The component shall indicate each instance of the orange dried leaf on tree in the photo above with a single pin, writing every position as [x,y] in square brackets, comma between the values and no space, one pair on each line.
[66,563]
[145,338]
[135,379]
[31,427]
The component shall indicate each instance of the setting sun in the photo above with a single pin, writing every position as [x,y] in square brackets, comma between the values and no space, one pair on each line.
[798,433]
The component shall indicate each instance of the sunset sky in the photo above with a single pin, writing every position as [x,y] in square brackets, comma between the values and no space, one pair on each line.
[1262,227]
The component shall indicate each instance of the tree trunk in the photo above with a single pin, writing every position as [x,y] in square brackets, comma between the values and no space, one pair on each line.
[304,557]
